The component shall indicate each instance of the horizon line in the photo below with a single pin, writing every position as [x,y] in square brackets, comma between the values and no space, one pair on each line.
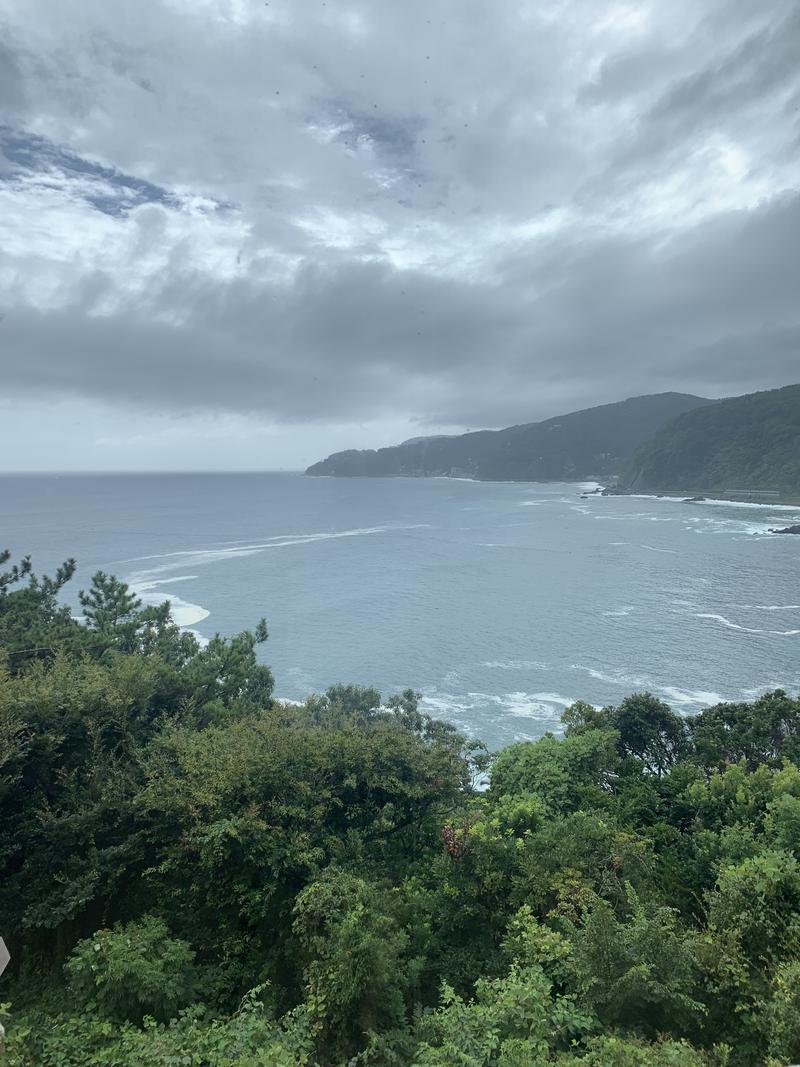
[155,470]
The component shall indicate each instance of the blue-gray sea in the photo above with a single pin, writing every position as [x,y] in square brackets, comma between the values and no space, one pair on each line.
[501,603]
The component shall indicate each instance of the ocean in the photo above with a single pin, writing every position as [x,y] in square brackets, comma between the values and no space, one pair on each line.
[502,603]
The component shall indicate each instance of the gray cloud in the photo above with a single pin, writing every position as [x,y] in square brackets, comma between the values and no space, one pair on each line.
[387,214]
[622,315]
[11,91]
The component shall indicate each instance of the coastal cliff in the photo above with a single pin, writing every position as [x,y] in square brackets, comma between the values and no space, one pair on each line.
[747,445]
[596,442]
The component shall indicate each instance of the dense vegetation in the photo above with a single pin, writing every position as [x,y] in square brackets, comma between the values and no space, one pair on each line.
[747,442]
[584,444]
[195,873]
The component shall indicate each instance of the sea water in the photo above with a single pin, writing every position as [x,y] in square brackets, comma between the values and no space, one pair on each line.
[501,603]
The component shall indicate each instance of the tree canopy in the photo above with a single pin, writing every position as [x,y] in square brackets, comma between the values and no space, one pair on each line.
[196,872]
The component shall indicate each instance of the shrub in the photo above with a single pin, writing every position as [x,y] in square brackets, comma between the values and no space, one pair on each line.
[133,970]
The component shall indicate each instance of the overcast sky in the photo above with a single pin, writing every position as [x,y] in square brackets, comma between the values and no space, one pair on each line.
[238,234]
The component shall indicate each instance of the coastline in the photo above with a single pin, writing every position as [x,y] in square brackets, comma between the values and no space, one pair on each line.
[783,503]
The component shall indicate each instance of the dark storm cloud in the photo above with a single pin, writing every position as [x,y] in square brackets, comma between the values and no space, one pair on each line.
[400,212]
[714,311]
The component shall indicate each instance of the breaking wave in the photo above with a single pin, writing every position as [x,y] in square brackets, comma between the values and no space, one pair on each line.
[745,629]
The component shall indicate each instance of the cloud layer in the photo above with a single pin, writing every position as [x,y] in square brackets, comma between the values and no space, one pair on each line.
[353,217]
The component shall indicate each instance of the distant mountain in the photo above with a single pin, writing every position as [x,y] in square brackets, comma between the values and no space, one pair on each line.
[597,442]
[749,442]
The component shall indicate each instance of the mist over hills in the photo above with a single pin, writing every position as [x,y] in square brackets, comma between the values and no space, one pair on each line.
[596,442]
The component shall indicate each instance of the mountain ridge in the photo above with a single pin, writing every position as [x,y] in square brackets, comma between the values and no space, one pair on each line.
[593,442]
[748,443]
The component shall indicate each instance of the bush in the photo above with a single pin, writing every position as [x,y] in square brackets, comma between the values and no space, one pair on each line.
[132,971]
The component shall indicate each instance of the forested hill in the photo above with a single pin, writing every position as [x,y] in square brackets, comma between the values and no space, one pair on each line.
[596,442]
[749,442]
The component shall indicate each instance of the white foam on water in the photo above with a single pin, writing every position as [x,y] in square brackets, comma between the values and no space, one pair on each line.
[446,706]
[463,710]
[554,698]
[620,612]
[652,548]
[236,549]
[691,697]
[543,707]
[618,544]
[603,517]
[681,699]
[202,641]
[745,629]
[770,687]
[622,678]
[714,502]
[150,583]
[451,709]
[290,702]
[515,665]
[524,707]
[708,525]
[773,607]
[184,613]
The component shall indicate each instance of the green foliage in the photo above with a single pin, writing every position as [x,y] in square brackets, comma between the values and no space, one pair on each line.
[747,442]
[344,705]
[67,834]
[565,774]
[619,1052]
[515,1021]
[647,730]
[133,970]
[781,1012]
[766,731]
[357,973]
[249,1038]
[32,622]
[753,934]
[109,604]
[638,974]
[650,732]
[193,873]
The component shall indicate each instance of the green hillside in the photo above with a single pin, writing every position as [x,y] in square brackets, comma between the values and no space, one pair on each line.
[596,442]
[749,442]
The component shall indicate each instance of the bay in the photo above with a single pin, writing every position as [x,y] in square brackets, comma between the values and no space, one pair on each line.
[500,602]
